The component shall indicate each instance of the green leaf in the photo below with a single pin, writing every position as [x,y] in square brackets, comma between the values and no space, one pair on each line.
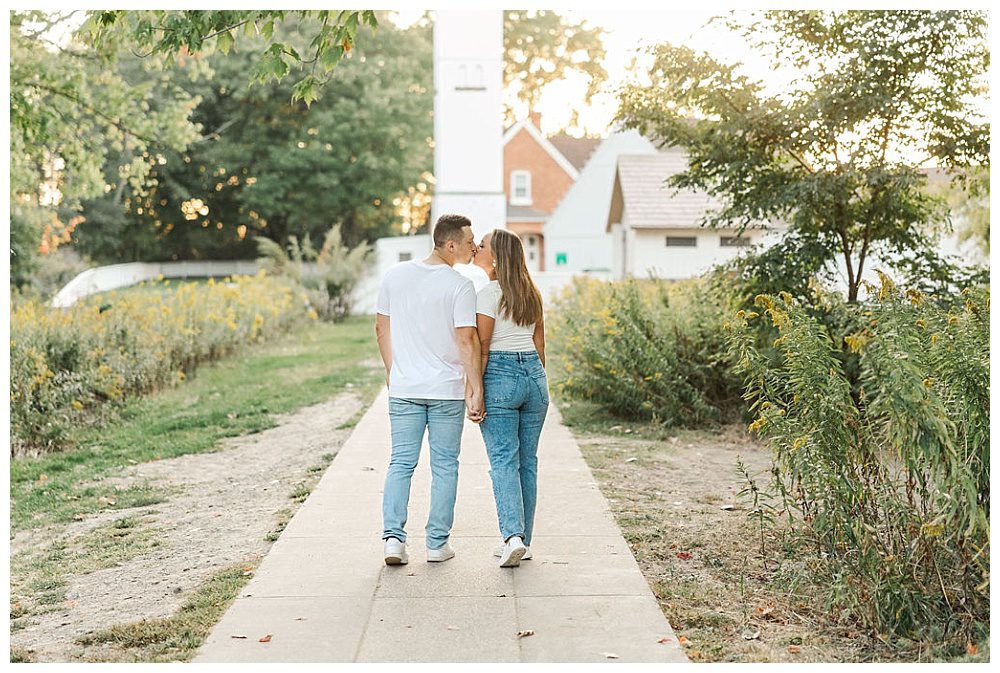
[226,41]
[306,90]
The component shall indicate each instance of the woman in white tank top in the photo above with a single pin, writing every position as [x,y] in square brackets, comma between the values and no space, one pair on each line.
[510,323]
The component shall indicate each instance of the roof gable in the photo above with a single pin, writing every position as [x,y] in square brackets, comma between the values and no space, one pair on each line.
[640,188]
[584,208]
[536,135]
[576,150]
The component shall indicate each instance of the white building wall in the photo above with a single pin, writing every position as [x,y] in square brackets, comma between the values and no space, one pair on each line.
[648,254]
[578,227]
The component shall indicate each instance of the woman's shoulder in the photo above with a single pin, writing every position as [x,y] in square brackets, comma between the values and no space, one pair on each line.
[491,289]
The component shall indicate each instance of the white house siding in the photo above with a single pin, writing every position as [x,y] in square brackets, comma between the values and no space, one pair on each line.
[576,231]
[647,253]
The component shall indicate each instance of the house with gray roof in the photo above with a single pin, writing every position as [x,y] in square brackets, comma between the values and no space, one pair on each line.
[656,230]
[577,240]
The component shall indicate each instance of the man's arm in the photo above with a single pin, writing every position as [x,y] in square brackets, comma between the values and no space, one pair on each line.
[468,347]
[384,342]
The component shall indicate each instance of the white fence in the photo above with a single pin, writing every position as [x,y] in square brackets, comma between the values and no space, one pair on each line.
[104,278]
[116,276]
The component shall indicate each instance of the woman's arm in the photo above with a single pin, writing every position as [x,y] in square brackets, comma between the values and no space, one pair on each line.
[539,338]
[485,325]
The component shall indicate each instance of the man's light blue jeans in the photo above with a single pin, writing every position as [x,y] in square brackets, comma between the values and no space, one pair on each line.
[517,399]
[443,420]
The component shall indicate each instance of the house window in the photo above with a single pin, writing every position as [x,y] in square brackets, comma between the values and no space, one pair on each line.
[682,241]
[734,241]
[520,188]
[405,256]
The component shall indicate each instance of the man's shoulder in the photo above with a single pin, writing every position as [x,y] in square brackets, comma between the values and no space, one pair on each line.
[398,270]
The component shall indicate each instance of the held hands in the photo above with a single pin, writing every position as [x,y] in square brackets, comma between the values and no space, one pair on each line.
[474,404]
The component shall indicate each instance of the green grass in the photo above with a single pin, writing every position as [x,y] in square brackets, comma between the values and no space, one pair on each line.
[177,637]
[282,517]
[235,396]
[39,576]
[590,418]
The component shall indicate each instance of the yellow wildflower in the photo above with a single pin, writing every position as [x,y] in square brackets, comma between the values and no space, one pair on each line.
[932,529]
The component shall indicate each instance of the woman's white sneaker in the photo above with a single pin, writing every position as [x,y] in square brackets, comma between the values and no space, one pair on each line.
[441,554]
[513,552]
[498,552]
[395,552]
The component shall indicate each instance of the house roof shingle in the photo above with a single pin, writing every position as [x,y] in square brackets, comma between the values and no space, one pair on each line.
[651,204]
[576,150]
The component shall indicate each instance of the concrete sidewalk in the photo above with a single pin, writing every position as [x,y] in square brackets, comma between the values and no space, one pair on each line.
[323,593]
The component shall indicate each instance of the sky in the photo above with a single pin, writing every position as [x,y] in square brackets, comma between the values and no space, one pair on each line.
[628,33]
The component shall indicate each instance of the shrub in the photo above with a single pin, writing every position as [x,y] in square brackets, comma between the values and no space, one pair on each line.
[68,362]
[52,271]
[330,275]
[644,349]
[889,481]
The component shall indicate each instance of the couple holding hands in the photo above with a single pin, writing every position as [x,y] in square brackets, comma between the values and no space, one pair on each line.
[450,353]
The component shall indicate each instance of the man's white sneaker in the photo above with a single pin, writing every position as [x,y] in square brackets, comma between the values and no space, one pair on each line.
[498,552]
[442,554]
[513,552]
[395,552]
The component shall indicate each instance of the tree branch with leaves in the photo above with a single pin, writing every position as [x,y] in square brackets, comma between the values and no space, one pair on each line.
[876,98]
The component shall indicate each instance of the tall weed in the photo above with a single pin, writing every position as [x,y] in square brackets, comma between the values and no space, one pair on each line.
[67,363]
[888,479]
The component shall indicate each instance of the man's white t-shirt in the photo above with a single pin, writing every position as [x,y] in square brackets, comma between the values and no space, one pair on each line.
[426,303]
[507,334]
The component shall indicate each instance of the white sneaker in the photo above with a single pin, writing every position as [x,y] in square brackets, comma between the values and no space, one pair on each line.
[442,554]
[513,551]
[498,552]
[395,552]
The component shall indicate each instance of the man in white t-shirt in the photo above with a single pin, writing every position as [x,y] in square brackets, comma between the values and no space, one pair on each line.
[426,331]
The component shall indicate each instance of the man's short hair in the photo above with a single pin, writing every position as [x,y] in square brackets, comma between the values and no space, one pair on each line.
[449,228]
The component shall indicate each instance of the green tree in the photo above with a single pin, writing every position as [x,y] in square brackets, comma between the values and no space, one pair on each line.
[540,47]
[272,167]
[70,110]
[876,97]
[169,33]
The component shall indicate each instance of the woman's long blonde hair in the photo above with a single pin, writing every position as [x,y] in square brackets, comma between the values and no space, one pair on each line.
[520,300]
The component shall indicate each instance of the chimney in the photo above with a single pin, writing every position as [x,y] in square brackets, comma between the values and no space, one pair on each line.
[536,119]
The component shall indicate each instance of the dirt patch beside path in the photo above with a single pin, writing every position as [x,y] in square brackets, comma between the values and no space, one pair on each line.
[221,507]
[676,501]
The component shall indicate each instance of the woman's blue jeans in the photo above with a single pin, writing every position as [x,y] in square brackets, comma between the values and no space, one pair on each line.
[517,399]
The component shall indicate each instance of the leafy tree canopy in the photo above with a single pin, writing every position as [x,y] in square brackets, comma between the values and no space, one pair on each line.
[267,166]
[840,155]
[70,109]
[169,33]
[541,47]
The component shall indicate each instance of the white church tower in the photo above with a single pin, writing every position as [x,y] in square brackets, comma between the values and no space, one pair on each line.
[468,117]
[468,140]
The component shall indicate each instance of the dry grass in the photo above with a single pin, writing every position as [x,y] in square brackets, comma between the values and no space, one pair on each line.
[675,497]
